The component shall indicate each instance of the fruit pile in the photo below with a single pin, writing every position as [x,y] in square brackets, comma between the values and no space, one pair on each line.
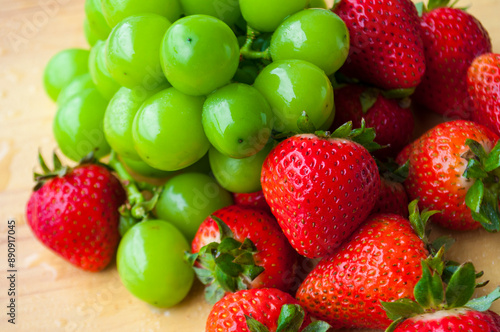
[283,133]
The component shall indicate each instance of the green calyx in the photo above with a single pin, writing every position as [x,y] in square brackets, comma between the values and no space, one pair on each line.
[47,173]
[290,320]
[363,135]
[434,4]
[483,197]
[391,170]
[441,287]
[419,221]
[225,266]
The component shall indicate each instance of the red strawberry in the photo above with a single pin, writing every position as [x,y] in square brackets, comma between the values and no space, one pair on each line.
[379,262]
[258,253]
[392,197]
[452,39]
[393,124]
[74,212]
[259,310]
[256,200]
[442,302]
[321,188]
[439,160]
[484,88]
[386,47]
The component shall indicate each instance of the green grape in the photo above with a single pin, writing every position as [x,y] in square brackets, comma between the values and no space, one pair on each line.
[188,199]
[90,35]
[63,68]
[80,83]
[225,10]
[78,125]
[237,120]
[239,175]
[265,15]
[150,262]
[318,4]
[199,54]
[294,86]
[315,35]
[116,11]
[99,72]
[141,168]
[97,23]
[132,51]
[167,130]
[119,118]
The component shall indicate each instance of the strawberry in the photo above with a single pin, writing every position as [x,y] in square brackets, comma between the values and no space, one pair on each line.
[321,188]
[74,212]
[256,200]
[379,262]
[443,302]
[393,123]
[260,310]
[452,39]
[483,80]
[240,247]
[392,197]
[454,168]
[386,48]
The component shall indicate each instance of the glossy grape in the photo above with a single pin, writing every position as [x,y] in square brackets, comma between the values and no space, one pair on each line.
[63,68]
[99,72]
[119,118]
[188,199]
[225,10]
[266,15]
[167,130]
[141,168]
[80,83]
[315,35]
[318,4]
[96,21]
[294,86]
[199,54]
[237,120]
[239,175]
[78,125]
[116,11]
[151,265]
[132,51]
[90,36]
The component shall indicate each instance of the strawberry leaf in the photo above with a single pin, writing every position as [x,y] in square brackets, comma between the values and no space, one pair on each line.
[343,131]
[255,326]
[291,318]
[474,196]
[444,242]
[461,286]
[476,148]
[433,4]
[429,292]
[398,93]
[421,9]
[317,326]
[224,230]
[492,161]
[368,98]
[402,308]
[484,303]
[475,170]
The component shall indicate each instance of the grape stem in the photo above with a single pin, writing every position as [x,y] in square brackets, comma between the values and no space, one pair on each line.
[246,51]
[134,195]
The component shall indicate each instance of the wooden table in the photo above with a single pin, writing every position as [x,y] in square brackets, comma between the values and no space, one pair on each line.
[53,295]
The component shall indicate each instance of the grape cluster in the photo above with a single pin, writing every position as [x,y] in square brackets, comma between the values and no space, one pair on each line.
[167,81]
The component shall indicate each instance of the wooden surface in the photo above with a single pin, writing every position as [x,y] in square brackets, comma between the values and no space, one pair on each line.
[52,295]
